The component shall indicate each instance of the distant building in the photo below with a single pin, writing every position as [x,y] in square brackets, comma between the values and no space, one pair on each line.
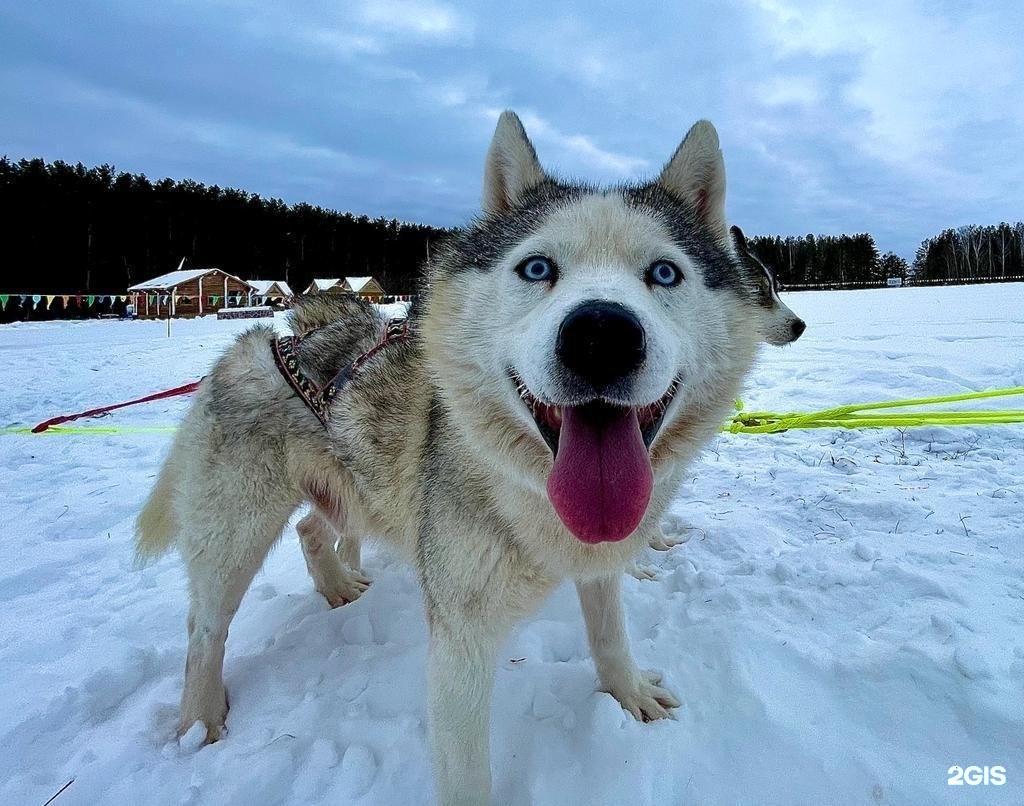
[365,287]
[189,292]
[271,289]
[361,286]
[325,287]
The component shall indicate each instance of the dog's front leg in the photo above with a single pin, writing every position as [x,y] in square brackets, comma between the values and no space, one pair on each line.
[461,676]
[639,692]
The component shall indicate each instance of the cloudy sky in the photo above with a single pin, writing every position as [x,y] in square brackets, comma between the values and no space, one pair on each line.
[898,118]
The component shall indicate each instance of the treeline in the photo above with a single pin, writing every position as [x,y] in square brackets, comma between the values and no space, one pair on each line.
[972,254]
[69,229]
[827,259]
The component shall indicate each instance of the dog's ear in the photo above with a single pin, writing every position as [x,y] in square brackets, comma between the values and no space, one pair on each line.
[739,238]
[696,174]
[512,167]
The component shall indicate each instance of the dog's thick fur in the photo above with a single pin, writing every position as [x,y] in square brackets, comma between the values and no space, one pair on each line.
[430,448]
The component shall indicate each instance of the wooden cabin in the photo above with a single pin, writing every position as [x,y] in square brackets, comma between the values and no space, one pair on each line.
[331,286]
[189,292]
[267,290]
[365,287]
[361,286]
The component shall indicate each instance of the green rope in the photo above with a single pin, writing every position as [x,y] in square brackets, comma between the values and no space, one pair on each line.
[754,422]
[763,422]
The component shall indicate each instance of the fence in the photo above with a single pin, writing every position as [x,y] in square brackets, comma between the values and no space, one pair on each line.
[909,281]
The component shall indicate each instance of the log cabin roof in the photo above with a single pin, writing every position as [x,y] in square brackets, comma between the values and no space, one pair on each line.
[165,282]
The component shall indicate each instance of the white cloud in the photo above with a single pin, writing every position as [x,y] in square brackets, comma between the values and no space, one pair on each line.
[787,90]
[916,73]
[419,18]
[574,151]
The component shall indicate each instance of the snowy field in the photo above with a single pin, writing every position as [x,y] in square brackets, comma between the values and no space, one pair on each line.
[845,623]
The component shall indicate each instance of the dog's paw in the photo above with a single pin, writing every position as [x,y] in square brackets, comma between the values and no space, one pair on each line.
[644,697]
[645,573]
[349,586]
[195,731]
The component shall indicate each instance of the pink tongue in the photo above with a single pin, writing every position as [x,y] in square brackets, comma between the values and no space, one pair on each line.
[602,478]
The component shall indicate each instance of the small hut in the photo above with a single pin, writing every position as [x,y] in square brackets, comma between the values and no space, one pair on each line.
[365,287]
[189,292]
[320,286]
[360,286]
[267,290]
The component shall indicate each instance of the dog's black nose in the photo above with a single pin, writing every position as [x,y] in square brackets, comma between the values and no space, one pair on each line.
[799,326]
[601,342]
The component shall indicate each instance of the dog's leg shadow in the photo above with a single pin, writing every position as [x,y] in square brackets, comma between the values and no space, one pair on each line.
[672,532]
[339,584]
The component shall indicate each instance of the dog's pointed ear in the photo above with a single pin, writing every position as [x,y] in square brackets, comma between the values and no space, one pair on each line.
[696,174]
[512,167]
[739,238]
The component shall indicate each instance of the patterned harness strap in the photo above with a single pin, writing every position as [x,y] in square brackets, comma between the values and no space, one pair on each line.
[318,399]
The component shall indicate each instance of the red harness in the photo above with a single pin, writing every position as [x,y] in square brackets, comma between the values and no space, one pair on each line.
[318,399]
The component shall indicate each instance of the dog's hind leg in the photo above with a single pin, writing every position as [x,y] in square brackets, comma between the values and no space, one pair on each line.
[337,583]
[222,555]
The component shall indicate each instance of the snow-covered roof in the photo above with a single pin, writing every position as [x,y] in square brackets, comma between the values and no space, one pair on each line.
[263,287]
[171,279]
[357,283]
[323,285]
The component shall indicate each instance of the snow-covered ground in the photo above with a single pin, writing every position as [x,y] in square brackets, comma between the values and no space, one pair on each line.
[844,625]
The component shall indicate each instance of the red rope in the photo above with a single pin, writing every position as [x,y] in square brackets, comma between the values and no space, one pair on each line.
[187,389]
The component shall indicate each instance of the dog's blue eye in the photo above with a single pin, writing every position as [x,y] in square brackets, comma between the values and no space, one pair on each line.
[664,273]
[536,269]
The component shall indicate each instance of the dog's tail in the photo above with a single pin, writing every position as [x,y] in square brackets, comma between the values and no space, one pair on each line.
[316,310]
[157,524]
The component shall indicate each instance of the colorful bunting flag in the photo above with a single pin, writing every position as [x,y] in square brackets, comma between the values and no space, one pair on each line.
[90,299]
[3,301]
[151,299]
[35,300]
[49,300]
[64,298]
[164,298]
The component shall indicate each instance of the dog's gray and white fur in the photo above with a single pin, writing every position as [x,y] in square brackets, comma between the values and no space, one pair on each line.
[779,325]
[431,447]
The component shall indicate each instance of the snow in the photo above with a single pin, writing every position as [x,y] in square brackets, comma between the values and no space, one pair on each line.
[844,623]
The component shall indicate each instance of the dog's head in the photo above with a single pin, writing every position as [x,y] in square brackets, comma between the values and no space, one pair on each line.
[779,325]
[583,337]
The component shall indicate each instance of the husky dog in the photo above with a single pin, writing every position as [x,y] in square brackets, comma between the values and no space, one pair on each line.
[779,324]
[575,348]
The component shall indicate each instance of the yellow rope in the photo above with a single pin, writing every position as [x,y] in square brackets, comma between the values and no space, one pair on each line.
[753,422]
[763,422]
[96,429]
